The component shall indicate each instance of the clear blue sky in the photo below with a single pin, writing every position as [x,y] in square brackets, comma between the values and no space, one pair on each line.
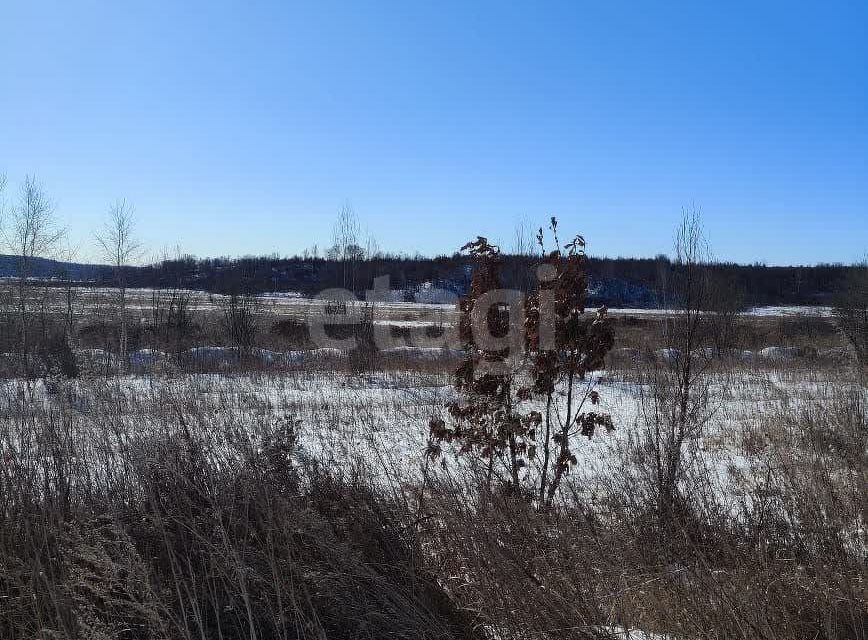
[241,128]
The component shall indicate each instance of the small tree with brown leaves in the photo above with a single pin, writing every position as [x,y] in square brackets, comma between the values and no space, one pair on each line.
[525,384]
[565,346]
[484,420]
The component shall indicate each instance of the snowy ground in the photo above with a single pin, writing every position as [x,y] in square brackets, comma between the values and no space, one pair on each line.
[382,419]
[97,300]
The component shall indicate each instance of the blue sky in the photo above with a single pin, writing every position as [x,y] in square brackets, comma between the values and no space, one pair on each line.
[241,128]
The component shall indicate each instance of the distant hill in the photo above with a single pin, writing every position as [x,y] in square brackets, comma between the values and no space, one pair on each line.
[45,268]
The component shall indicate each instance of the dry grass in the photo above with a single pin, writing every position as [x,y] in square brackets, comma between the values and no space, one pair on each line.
[176,506]
[190,528]
[784,559]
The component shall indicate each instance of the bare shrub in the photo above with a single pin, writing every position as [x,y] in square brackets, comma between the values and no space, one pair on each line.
[240,321]
[294,332]
[725,301]
[363,357]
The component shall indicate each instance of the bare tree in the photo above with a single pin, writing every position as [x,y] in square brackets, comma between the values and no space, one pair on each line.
[675,389]
[180,324]
[692,293]
[32,233]
[2,200]
[67,255]
[372,246]
[519,265]
[119,246]
[523,239]
[5,297]
[345,245]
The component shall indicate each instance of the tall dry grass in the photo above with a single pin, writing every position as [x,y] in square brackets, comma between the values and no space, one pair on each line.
[179,525]
[135,510]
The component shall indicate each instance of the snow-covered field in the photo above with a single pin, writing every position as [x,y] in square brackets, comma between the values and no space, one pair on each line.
[381,419]
[426,309]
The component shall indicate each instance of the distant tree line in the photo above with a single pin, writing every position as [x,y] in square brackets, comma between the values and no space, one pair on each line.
[633,282]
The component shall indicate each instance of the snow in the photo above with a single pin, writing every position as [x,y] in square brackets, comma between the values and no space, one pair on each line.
[780,354]
[817,312]
[213,355]
[146,358]
[422,353]
[429,294]
[386,414]
[622,633]
[430,304]
[409,324]
[280,295]
[746,356]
